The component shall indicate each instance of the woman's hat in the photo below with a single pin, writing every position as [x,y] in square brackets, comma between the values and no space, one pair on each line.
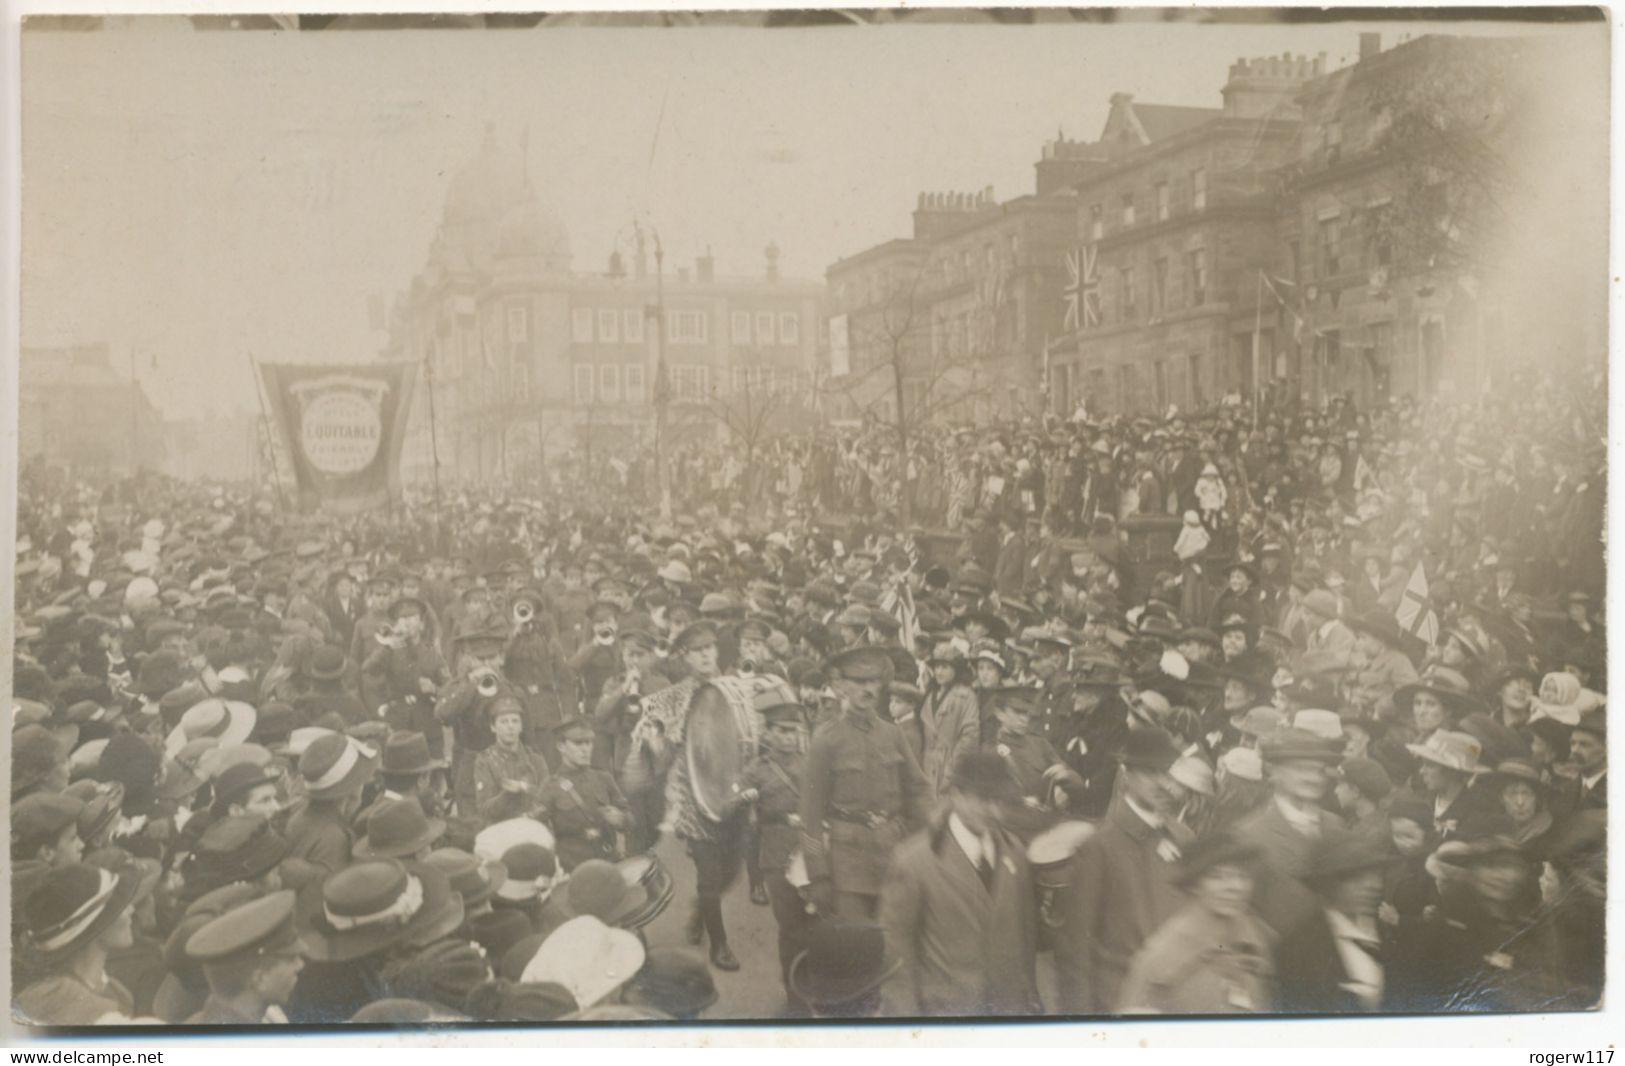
[336,765]
[369,906]
[506,1000]
[1369,777]
[843,961]
[1451,750]
[533,872]
[445,972]
[408,753]
[675,981]
[1261,721]
[588,958]
[1381,625]
[235,783]
[597,888]
[494,840]
[1243,763]
[1215,849]
[1520,770]
[1193,773]
[228,721]
[1448,685]
[236,848]
[72,905]
[475,879]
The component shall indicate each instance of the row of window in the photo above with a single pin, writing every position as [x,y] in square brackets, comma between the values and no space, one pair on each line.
[1195,185]
[1120,295]
[608,325]
[609,383]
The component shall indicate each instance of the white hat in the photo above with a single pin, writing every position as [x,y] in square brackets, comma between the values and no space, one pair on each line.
[140,590]
[1193,773]
[1244,763]
[494,840]
[588,958]
[1324,724]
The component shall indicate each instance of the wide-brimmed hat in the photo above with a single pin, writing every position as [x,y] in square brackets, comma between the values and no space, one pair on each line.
[369,906]
[1449,686]
[843,961]
[72,905]
[1260,721]
[1523,771]
[1451,750]
[236,848]
[398,828]
[587,957]
[473,878]
[997,628]
[227,721]
[598,888]
[336,765]
[533,872]
[1291,745]
[1327,725]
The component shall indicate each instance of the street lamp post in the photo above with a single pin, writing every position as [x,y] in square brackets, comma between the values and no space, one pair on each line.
[661,386]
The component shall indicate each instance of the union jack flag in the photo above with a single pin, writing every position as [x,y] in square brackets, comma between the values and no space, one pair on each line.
[1415,614]
[1082,288]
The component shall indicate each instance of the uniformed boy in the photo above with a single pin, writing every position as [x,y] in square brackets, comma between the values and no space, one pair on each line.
[583,805]
[771,783]
[508,776]
[251,957]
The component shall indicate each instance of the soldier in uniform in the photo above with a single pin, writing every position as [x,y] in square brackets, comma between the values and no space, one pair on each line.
[535,661]
[465,708]
[583,805]
[251,957]
[508,775]
[771,784]
[862,791]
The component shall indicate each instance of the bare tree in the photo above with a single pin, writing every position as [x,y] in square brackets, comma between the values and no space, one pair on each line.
[908,374]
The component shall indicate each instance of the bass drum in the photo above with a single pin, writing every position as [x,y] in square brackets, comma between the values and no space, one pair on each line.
[721,737]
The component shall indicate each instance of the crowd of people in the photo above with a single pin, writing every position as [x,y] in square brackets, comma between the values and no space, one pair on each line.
[1290,711]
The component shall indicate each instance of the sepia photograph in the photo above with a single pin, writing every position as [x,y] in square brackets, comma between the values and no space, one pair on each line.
[807,516]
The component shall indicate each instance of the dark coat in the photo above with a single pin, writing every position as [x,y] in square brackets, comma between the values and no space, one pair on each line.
[966,949]
[1310,970]
[1281,899]
[1120,890]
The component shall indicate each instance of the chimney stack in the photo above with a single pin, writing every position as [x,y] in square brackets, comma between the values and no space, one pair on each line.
[1370,45]
[705,266]
[772,261]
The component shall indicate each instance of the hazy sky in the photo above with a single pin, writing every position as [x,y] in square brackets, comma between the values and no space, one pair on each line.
[196,196]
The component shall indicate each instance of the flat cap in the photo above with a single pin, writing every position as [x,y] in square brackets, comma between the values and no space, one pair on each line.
[867,663]
[262,927]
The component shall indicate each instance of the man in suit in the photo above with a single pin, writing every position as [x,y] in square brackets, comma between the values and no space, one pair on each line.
[1588,746]
[1331,642]
[958,906]
[1286,829]
[1332,961]
[1121,880]
[1010,568]
[343,606]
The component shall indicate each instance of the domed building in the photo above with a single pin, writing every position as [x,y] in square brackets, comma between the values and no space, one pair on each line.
[525,356]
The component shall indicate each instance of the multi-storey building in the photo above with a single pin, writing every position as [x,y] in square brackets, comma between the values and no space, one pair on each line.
[524,355]
[958,313]
[75,409]
[1256,244]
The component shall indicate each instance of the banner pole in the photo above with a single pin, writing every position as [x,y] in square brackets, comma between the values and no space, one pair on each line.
[270,431]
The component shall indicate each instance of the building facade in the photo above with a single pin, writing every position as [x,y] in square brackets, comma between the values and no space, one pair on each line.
[1262,244]
[958,314]
[75,410]
[524,356]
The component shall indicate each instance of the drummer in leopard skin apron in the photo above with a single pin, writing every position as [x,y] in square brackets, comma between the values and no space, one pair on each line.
[861,793]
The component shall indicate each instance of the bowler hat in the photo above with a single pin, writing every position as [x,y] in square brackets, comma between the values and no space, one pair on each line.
[985,775]
[597,888]
[843,961]
[407,752]
[1149,748]
[236,848]
[398,829]
[327,663]
[369,906]
[1379,624]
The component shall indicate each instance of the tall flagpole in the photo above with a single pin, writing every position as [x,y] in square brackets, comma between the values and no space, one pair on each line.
[270,430]
[1258,326]
[434,444]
